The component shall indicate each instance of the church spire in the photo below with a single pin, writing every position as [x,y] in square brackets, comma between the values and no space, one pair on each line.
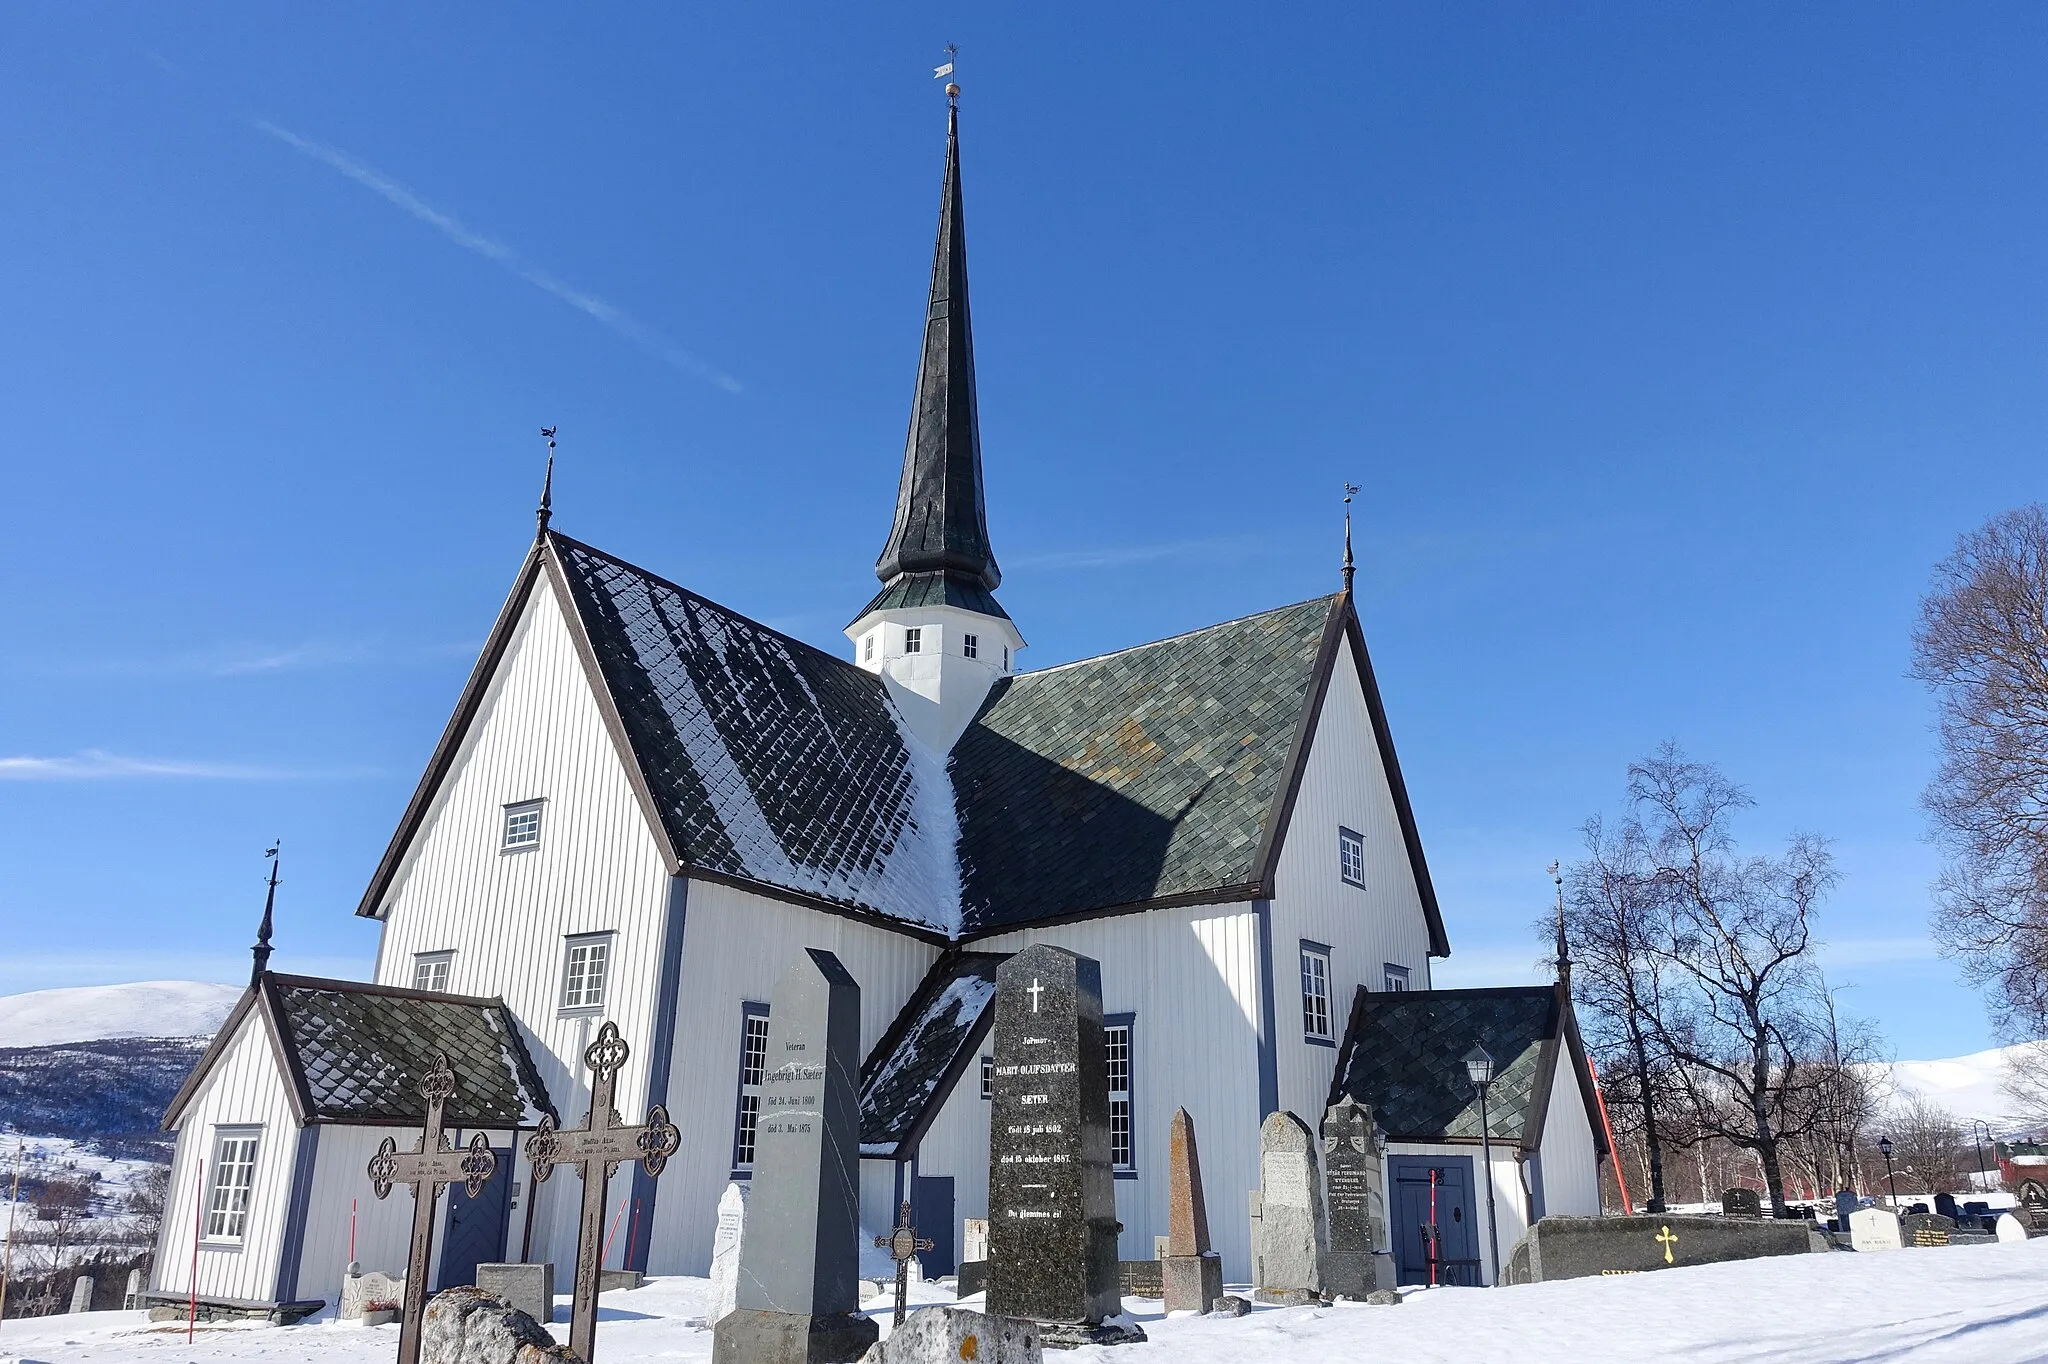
[261,952]
[1350,491]
[941,530]
[1564,955]
[547,486]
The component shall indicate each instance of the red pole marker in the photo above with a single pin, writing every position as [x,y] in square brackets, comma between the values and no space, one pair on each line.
[1627,1206]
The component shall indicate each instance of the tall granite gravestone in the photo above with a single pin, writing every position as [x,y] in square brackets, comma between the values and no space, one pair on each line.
[1945,1204]
[1357,1201]
[799,1283]
[1741,1203]
[1846,1202]
[1874,1229]
[725,1251]
[1051,1197]
[81,1293]
[1292,1230]
[1191,1273]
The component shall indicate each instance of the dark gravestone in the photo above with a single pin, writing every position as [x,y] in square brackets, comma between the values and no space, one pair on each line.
[2033,1209]
[1846,1202]
[1051,1197]
[1926,1229]
[1357,1201]
[1741,1203]
[1584,1247]
[799,1281]
[1945,1204]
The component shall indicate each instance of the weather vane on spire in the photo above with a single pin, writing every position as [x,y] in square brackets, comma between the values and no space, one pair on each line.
[943,71]
[1350,491]
[547,485]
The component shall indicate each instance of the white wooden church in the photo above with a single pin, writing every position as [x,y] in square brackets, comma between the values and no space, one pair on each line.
[646,803]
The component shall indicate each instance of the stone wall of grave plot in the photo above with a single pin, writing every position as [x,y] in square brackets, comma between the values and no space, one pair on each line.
[1191,978]
[1585,1247]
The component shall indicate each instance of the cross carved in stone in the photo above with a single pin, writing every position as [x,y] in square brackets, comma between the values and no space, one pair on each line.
[902,1244]
[597,1149]
[431,1163]
[1667,1239]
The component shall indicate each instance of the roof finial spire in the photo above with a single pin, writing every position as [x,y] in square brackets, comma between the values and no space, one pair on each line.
[1564,955]
[1350,491]
[261,952]
[946,69]
[547,486]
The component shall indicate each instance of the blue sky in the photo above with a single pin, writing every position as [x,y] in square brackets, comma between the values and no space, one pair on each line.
[1672,345]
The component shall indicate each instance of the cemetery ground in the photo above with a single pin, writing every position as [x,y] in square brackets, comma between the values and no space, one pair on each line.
[1987,1304]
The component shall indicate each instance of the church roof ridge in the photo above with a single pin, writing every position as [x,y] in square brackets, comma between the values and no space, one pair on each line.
[1330,597]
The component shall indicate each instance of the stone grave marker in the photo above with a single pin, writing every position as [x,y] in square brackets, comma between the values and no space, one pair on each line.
[1741,1203]
[132,1299]
[1293,1231]
[359,1289]
[1357,1201]
[1584,1247]
[2033,1207]
[1926,1229]
[1191,1272]
[81,1293]
[2010,1228]
[1945,1204]
[1846,1202]
[950,1335]
[972,1276]
[530,1288]
[1874,1229]
[799,1284]
[1052,1200]
[725,1251]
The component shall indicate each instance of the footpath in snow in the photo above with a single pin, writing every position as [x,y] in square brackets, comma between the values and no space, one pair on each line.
[1981,1304]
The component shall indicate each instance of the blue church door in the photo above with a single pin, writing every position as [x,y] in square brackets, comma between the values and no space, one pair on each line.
[1435,1237]
[476,1227]
[931,1212]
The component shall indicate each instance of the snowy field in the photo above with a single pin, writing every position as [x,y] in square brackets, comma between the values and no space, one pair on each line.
[1984,1304]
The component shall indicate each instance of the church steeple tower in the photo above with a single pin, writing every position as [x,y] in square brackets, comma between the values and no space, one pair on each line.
[935,629]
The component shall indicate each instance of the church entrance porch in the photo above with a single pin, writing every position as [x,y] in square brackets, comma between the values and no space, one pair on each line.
[1434,1229]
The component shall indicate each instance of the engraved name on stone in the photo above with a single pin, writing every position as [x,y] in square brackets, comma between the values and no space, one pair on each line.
[1286,1183]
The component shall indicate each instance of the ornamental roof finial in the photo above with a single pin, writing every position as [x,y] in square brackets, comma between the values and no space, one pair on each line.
[547,486]
[1350,491]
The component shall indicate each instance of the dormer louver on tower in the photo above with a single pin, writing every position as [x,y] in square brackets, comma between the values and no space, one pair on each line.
[936,631]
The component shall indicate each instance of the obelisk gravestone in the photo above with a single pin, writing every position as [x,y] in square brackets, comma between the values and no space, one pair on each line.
[1192,1273]
[1357,1201]
[1292,1230]
[799,1285]
[1051,1197]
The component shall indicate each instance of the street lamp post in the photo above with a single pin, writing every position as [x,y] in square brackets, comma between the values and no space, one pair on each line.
[1479,1070]
[1884,1146]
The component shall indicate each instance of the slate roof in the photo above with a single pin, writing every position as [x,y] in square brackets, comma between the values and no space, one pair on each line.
[354,1053]
[1146,774]
[912,1069]
[1403,1057]
[929,589]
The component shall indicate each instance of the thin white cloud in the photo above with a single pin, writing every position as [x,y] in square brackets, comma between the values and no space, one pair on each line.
[1116,556]
[95,764]
[597,309]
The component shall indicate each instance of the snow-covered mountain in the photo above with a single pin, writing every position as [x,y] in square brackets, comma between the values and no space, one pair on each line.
[92,1013]
[1969,1087]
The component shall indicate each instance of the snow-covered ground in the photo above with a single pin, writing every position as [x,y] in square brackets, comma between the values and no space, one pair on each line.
[1981,1304]
[89,1013]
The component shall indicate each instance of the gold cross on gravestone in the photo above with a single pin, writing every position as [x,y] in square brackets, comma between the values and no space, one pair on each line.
[430,1164]
[902,1244]
[597,1149]
[1667,1240]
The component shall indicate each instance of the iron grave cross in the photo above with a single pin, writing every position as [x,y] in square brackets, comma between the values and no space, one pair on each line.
[429,1165]
[596,1150]
[902,1244]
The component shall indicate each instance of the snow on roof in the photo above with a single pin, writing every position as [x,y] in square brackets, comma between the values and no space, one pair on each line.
[912,1066]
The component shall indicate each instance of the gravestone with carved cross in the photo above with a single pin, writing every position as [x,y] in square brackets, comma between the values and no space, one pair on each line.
[903,1244]
[597,1149]
[429,1165]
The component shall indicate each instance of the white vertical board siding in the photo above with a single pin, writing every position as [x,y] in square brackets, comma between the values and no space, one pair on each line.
[1571,1160]
[244,1090]
[1343,784]
[736,945]
[383,1226]
[539,735]
[1511,1200]
[1191,976]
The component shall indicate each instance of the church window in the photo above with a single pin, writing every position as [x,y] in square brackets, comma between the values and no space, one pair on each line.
[1351,856]
[586,966]
[971,646]
[1116,1032]
[234,1176]
[988,1077]
[1315,993]
[430,970]
[913,639]
[522,827]
[1397,978]
[867,647]
[1006,658]
[753,1060]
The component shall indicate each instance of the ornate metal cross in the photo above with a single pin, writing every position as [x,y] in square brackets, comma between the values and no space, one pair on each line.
[902,1244]
[597,1149]
[1666,1239]
[431,1163]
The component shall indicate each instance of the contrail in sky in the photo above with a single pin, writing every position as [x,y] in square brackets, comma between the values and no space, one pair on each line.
[370,178]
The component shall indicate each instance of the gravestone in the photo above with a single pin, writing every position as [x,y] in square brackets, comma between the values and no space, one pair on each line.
[1945,1204]
[1051,1197]
[1293,1232]
[528,1287]
[1846,1202]
[1926,1229]
[1741,1203]
[81,1293]
[1874,1229]
[799,1285]
[972,1276]
[1190,1270]
[359,1290]
[1584,1247]
[1357,1202]
[2010,1228]
[950,1335]
[132,1299]
[725,1251]
[2033,1209]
